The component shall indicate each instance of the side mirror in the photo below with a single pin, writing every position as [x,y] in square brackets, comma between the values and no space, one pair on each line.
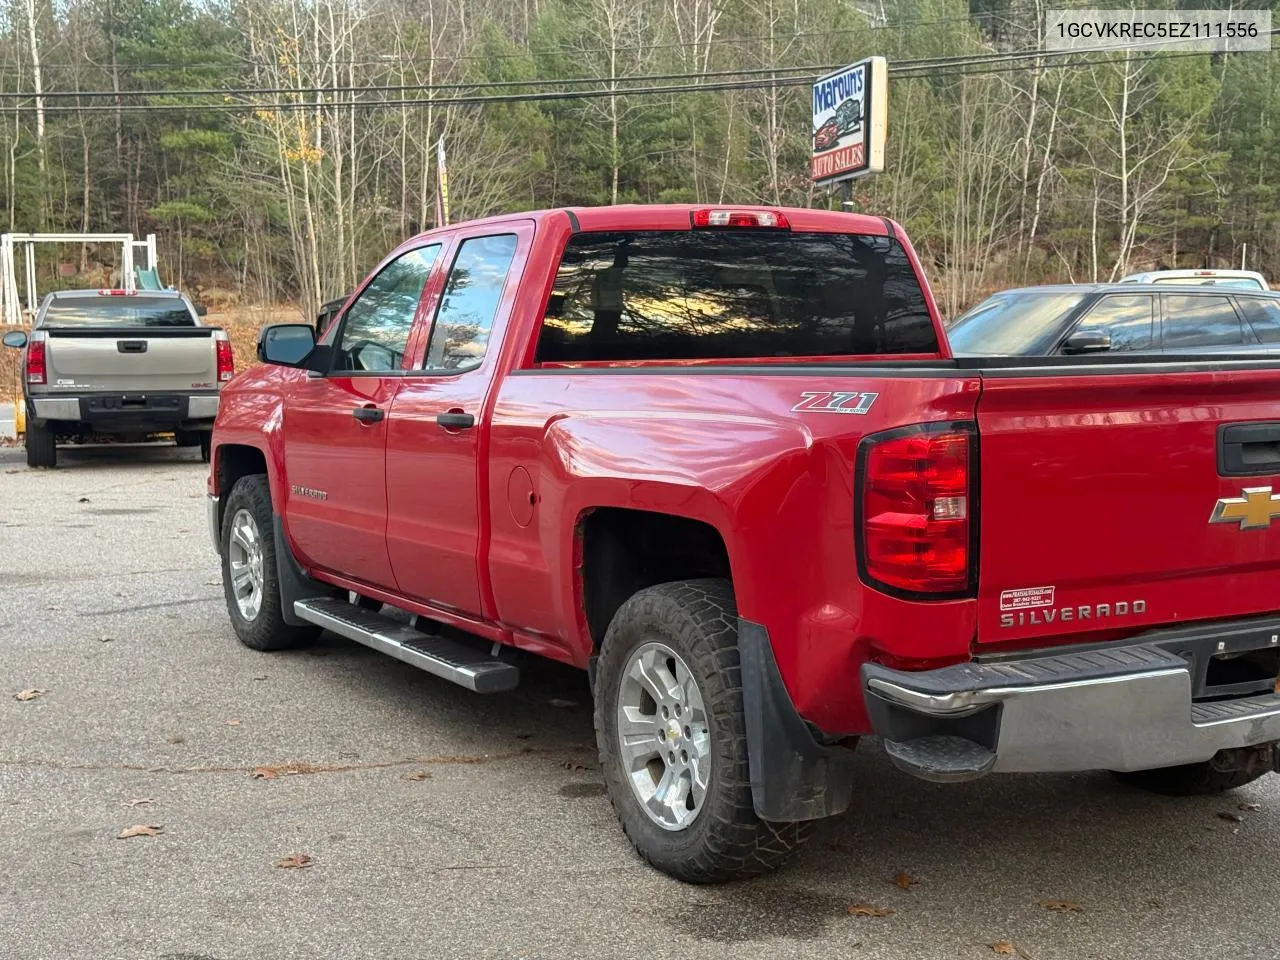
[1087,341]
[16,339]
[286,344]
[201,310]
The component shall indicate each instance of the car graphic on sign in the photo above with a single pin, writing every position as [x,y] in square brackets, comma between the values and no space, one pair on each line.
[849,117]
[825,137]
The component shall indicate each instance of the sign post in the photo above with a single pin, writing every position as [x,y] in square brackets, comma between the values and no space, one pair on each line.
[850,121]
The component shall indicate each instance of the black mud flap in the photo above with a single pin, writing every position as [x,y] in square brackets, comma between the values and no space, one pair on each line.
[294,584]
[793,776]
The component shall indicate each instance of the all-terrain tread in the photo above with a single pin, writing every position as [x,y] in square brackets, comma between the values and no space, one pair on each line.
[727,841]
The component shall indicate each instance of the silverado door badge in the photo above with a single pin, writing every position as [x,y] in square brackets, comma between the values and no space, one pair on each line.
[1254,510]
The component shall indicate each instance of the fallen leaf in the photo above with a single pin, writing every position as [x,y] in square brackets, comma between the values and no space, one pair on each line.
[1062,906]
[523,736]
[105,639]
[867,910]
[232,722]
[136,801]
[562,704]
[31,694]
[175,739]
[264,773]
[1230,817]
[905,881]
[141,830]
[83,500]
[419,776]
[295,861]
[574,765]
[183,530]
[260,678]
[1250,807]
[1004,947]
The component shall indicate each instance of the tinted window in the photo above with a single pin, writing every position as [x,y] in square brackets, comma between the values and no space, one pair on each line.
[118,311]
[376,326]
[1191,321]
[1011,324]
[1126,319]
[686,295]
[470,300]
[1263,317]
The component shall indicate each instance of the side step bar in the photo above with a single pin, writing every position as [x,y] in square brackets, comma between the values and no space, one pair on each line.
[441,656]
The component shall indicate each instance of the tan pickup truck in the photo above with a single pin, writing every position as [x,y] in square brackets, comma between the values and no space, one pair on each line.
[122,364]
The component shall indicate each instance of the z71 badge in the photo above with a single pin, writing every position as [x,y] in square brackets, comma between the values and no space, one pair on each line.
[835,401]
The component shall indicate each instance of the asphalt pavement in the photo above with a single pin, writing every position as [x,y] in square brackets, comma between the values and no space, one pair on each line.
[439,823]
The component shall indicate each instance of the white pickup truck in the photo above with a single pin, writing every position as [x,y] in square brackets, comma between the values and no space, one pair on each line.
[119,363]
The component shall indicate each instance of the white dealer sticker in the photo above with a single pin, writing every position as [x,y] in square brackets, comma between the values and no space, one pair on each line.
[1026,598]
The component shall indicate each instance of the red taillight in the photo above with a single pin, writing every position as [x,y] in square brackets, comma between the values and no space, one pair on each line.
[104,292]
[740,218]
[916,512]
[226,361]
[35,362]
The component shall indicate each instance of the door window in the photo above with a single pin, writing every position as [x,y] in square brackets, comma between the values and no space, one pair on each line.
[469,303]
[1195,321]
[1263,317]
[376,327]
[1125,318]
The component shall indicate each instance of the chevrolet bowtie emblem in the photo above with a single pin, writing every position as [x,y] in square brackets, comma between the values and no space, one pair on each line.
[1253,511]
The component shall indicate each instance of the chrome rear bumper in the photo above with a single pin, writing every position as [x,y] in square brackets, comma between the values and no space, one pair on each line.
[1111,708]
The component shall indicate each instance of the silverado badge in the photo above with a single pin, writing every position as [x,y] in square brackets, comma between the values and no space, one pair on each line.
[1253,510]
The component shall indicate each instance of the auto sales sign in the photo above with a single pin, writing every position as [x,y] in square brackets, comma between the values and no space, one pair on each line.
[850,118]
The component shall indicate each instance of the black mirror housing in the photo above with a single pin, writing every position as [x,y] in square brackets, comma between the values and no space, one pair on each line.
[1087,342]
[15,339]
[287,344]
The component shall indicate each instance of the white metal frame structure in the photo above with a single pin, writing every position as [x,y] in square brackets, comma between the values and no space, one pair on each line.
[11,302]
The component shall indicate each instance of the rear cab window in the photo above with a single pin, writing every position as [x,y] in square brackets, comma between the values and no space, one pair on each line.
[107,310]
[732,294]
[1263,317]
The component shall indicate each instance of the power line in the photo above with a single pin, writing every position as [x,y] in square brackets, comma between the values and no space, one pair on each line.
[969,67]
[1038,53]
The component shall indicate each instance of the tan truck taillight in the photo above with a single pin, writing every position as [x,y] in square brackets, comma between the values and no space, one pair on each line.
[226,361]
[35,362]
[914,511]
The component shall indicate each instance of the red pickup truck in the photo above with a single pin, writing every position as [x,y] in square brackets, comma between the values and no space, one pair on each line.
[723,460]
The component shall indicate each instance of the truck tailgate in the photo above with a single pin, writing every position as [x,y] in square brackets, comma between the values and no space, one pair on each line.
[130,359]
[1108,501]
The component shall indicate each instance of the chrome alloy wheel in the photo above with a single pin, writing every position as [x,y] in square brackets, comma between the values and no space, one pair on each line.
[664,736]
[244,560]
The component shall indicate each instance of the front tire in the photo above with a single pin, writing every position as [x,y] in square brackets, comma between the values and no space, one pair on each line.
[42,451]
[672,736]
[249,579]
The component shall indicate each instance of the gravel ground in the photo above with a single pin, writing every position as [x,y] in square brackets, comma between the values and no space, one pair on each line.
[443,824]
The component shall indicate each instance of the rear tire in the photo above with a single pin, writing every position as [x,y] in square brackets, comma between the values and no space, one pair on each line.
[249,579]
[1189,780]
[669,663]
[42,451]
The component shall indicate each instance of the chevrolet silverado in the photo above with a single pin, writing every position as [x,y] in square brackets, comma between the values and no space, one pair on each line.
[723,460]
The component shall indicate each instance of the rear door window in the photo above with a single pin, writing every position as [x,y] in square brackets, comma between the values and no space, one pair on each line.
[727,294]
[1126,318]
[1263,317]
[1190,320]
[470,301]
